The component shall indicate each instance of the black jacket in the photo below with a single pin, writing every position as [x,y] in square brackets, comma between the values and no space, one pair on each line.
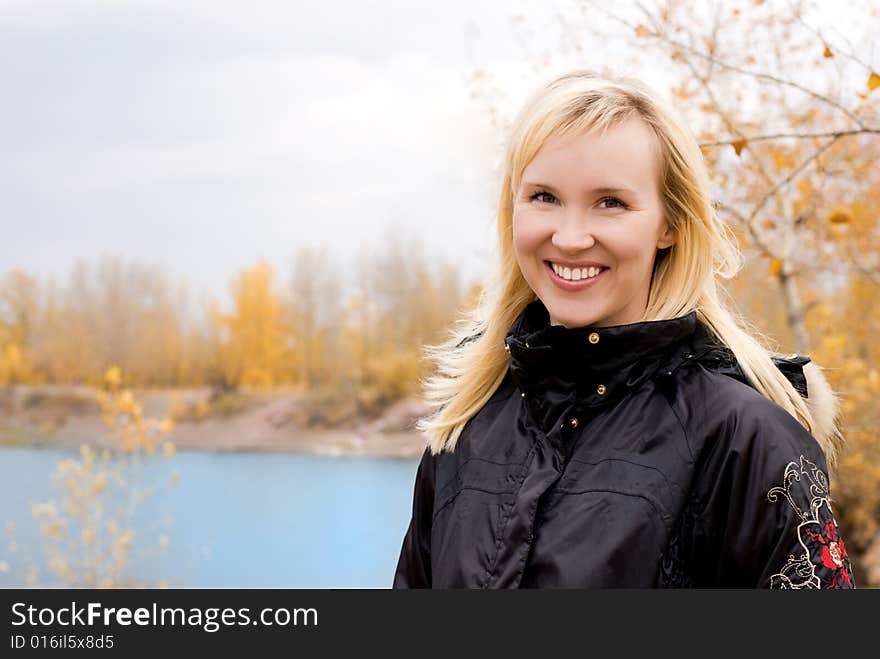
[629,456]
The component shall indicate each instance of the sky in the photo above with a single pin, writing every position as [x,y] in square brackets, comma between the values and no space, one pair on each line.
[203,136]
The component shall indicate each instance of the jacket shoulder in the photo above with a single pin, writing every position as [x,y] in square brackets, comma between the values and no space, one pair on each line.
[761,495]
[805,376]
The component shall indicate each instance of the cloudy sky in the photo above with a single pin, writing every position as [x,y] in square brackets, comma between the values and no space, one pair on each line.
[204,135]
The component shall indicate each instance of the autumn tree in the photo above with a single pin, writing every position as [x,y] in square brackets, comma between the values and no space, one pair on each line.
[19,315]
[253,338]
[314,308]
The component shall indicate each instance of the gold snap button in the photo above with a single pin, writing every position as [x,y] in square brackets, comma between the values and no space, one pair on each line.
[573,421]
[600,389]
[594,338]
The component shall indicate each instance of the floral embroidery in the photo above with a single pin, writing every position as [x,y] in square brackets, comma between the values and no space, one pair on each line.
[824,562]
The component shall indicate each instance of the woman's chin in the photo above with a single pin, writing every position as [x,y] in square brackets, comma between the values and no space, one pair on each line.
[572,320]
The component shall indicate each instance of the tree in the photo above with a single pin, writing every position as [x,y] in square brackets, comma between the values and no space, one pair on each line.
[252,336]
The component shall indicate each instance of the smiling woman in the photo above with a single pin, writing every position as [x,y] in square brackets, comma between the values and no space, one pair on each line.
[555,232]
[600,418]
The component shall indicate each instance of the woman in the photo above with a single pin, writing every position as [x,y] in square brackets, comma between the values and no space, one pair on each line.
[601,419]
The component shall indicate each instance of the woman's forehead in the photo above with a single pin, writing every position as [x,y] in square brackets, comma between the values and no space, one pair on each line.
[622,158]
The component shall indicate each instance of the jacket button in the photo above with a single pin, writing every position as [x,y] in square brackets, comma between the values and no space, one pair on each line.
[600,389]
[594,338]
[573,421]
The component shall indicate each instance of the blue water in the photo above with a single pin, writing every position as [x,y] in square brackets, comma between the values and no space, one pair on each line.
[237,519]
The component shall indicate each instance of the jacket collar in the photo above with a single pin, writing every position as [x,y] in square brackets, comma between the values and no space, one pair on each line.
[598,362]
[556,367]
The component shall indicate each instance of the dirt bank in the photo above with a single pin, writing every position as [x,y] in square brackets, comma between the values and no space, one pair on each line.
[58,416]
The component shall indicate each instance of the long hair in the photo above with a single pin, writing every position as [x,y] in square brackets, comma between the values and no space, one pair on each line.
[472,362]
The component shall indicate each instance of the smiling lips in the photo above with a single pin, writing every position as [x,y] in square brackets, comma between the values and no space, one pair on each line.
[574,279]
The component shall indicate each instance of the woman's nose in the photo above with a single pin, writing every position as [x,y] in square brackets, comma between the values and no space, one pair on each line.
[573,233]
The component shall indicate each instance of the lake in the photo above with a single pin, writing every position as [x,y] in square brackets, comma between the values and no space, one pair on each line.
[238,519]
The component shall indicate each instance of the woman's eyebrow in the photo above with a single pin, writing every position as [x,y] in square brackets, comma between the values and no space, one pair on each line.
[601,190]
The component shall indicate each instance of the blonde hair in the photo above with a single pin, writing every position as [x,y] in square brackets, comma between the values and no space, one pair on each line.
[472,363]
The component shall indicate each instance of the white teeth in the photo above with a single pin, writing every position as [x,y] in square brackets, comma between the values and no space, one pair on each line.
[575,274]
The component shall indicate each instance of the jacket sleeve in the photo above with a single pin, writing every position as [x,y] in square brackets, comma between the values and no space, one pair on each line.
[414,563]
[766,519]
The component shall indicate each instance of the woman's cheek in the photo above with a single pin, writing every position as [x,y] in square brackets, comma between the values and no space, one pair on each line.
[525,237]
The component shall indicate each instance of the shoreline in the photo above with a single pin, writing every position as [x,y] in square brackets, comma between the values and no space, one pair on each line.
[65,417]
[328,444]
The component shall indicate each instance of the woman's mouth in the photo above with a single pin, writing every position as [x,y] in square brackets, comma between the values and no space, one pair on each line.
[574,279]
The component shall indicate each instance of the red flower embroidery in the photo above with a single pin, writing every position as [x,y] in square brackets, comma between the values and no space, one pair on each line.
[824,559]
[826,548]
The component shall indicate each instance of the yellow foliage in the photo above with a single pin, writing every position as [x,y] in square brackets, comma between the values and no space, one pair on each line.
[253,345]
[113,377]
[839,216]
[91,485]
[203,408]
[15,364]
[168,450]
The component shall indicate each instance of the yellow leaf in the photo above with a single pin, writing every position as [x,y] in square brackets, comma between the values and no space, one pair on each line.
[839,217]
[779,159]
[873,81]
[643,31]
[827,52]
[776,267]
[113,376]
[738,145]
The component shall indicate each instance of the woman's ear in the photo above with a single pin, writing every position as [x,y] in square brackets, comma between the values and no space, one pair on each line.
[667,238]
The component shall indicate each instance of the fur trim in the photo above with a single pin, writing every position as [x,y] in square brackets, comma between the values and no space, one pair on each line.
[824,406]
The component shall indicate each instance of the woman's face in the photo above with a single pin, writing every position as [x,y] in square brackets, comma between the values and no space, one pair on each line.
[589,208]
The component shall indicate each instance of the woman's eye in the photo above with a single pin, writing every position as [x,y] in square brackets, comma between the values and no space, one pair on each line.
[613,199]
[540,193]
[546,197]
